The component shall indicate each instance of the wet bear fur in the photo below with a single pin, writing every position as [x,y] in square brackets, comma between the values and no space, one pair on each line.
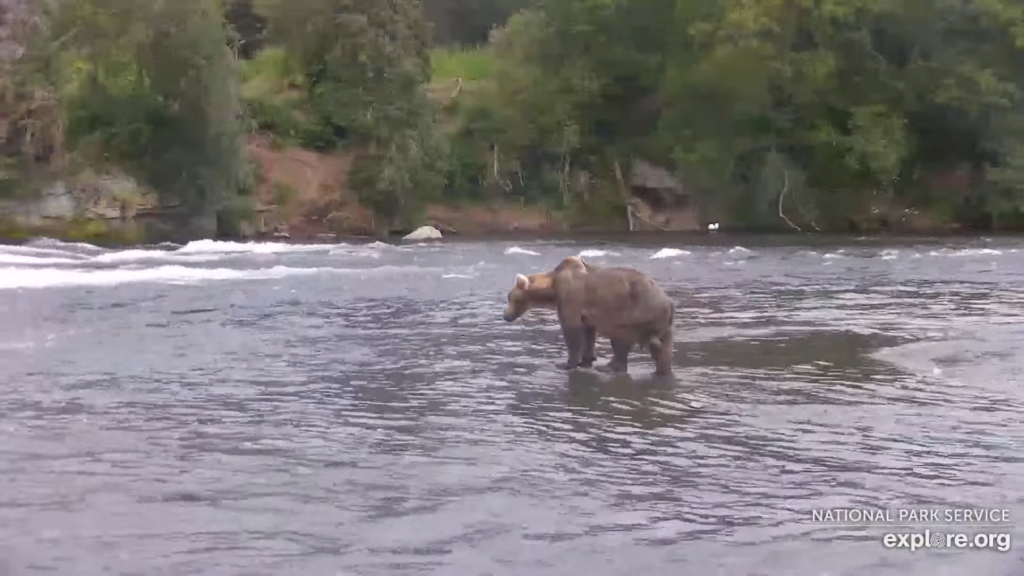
[621,304]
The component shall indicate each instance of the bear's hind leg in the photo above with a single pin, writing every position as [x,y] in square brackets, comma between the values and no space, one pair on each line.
[589,347]
[620,356]
[661,349]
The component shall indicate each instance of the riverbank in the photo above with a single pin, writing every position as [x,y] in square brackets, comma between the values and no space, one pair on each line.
[301,195]
[468,225]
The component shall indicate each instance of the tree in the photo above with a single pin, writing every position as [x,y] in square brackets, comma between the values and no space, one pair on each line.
[825,105]
[467,22]
[151,87]
[365,67]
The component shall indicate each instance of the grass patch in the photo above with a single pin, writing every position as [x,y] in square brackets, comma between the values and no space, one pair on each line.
[271,92]
[274,93]
[270,73]
[470,64]
[282,193]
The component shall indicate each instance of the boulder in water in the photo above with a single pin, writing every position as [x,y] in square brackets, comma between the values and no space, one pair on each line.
[423,233]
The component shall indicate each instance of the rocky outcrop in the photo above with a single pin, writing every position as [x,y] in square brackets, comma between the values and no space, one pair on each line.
[90,206]
[423,233]
[99,197]
[658,200]
[14,19]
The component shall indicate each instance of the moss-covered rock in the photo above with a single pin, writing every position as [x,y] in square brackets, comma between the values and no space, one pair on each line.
[99,232]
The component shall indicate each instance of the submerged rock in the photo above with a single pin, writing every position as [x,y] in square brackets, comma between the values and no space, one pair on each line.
[423,233]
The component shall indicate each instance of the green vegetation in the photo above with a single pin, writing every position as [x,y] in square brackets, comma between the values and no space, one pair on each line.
[147,87]
[836,103]
[152,87]
[780,113]
[466,64]
[277,103]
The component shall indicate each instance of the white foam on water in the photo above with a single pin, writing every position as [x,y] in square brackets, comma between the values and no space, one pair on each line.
[126,256]
[40,252]
[372,250]
[52,244]
[25,345]
[15,277]
[226,247]
[35,260]
[965,252]
[890,254]
[50,252]
[354,253]
[737,250]
[59,277]
[595,253]
[518,250]
[669,253]
[456,276]
[28,256]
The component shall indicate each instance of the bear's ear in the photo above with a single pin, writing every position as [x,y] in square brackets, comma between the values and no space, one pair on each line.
[522,282]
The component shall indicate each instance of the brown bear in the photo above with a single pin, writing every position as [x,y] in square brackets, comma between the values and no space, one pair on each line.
[622,304]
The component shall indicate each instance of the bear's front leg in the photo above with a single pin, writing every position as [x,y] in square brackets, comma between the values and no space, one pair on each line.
[661,351]
[574,330]
[574,340]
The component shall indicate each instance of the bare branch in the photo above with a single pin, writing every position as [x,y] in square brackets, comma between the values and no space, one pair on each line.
[782,196]
[626,196]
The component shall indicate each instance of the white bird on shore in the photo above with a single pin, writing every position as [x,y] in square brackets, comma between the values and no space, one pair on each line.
[713,227]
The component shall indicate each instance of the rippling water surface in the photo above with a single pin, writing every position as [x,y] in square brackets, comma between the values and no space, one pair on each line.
[222,408]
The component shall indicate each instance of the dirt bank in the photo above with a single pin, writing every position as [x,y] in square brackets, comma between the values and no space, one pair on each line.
[305,194]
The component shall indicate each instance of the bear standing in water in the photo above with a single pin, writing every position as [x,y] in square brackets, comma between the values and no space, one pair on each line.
[622,304]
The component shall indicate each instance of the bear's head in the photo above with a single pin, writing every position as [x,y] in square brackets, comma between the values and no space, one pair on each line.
[533,291]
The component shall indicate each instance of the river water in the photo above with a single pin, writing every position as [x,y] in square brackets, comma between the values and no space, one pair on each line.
[225,408]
